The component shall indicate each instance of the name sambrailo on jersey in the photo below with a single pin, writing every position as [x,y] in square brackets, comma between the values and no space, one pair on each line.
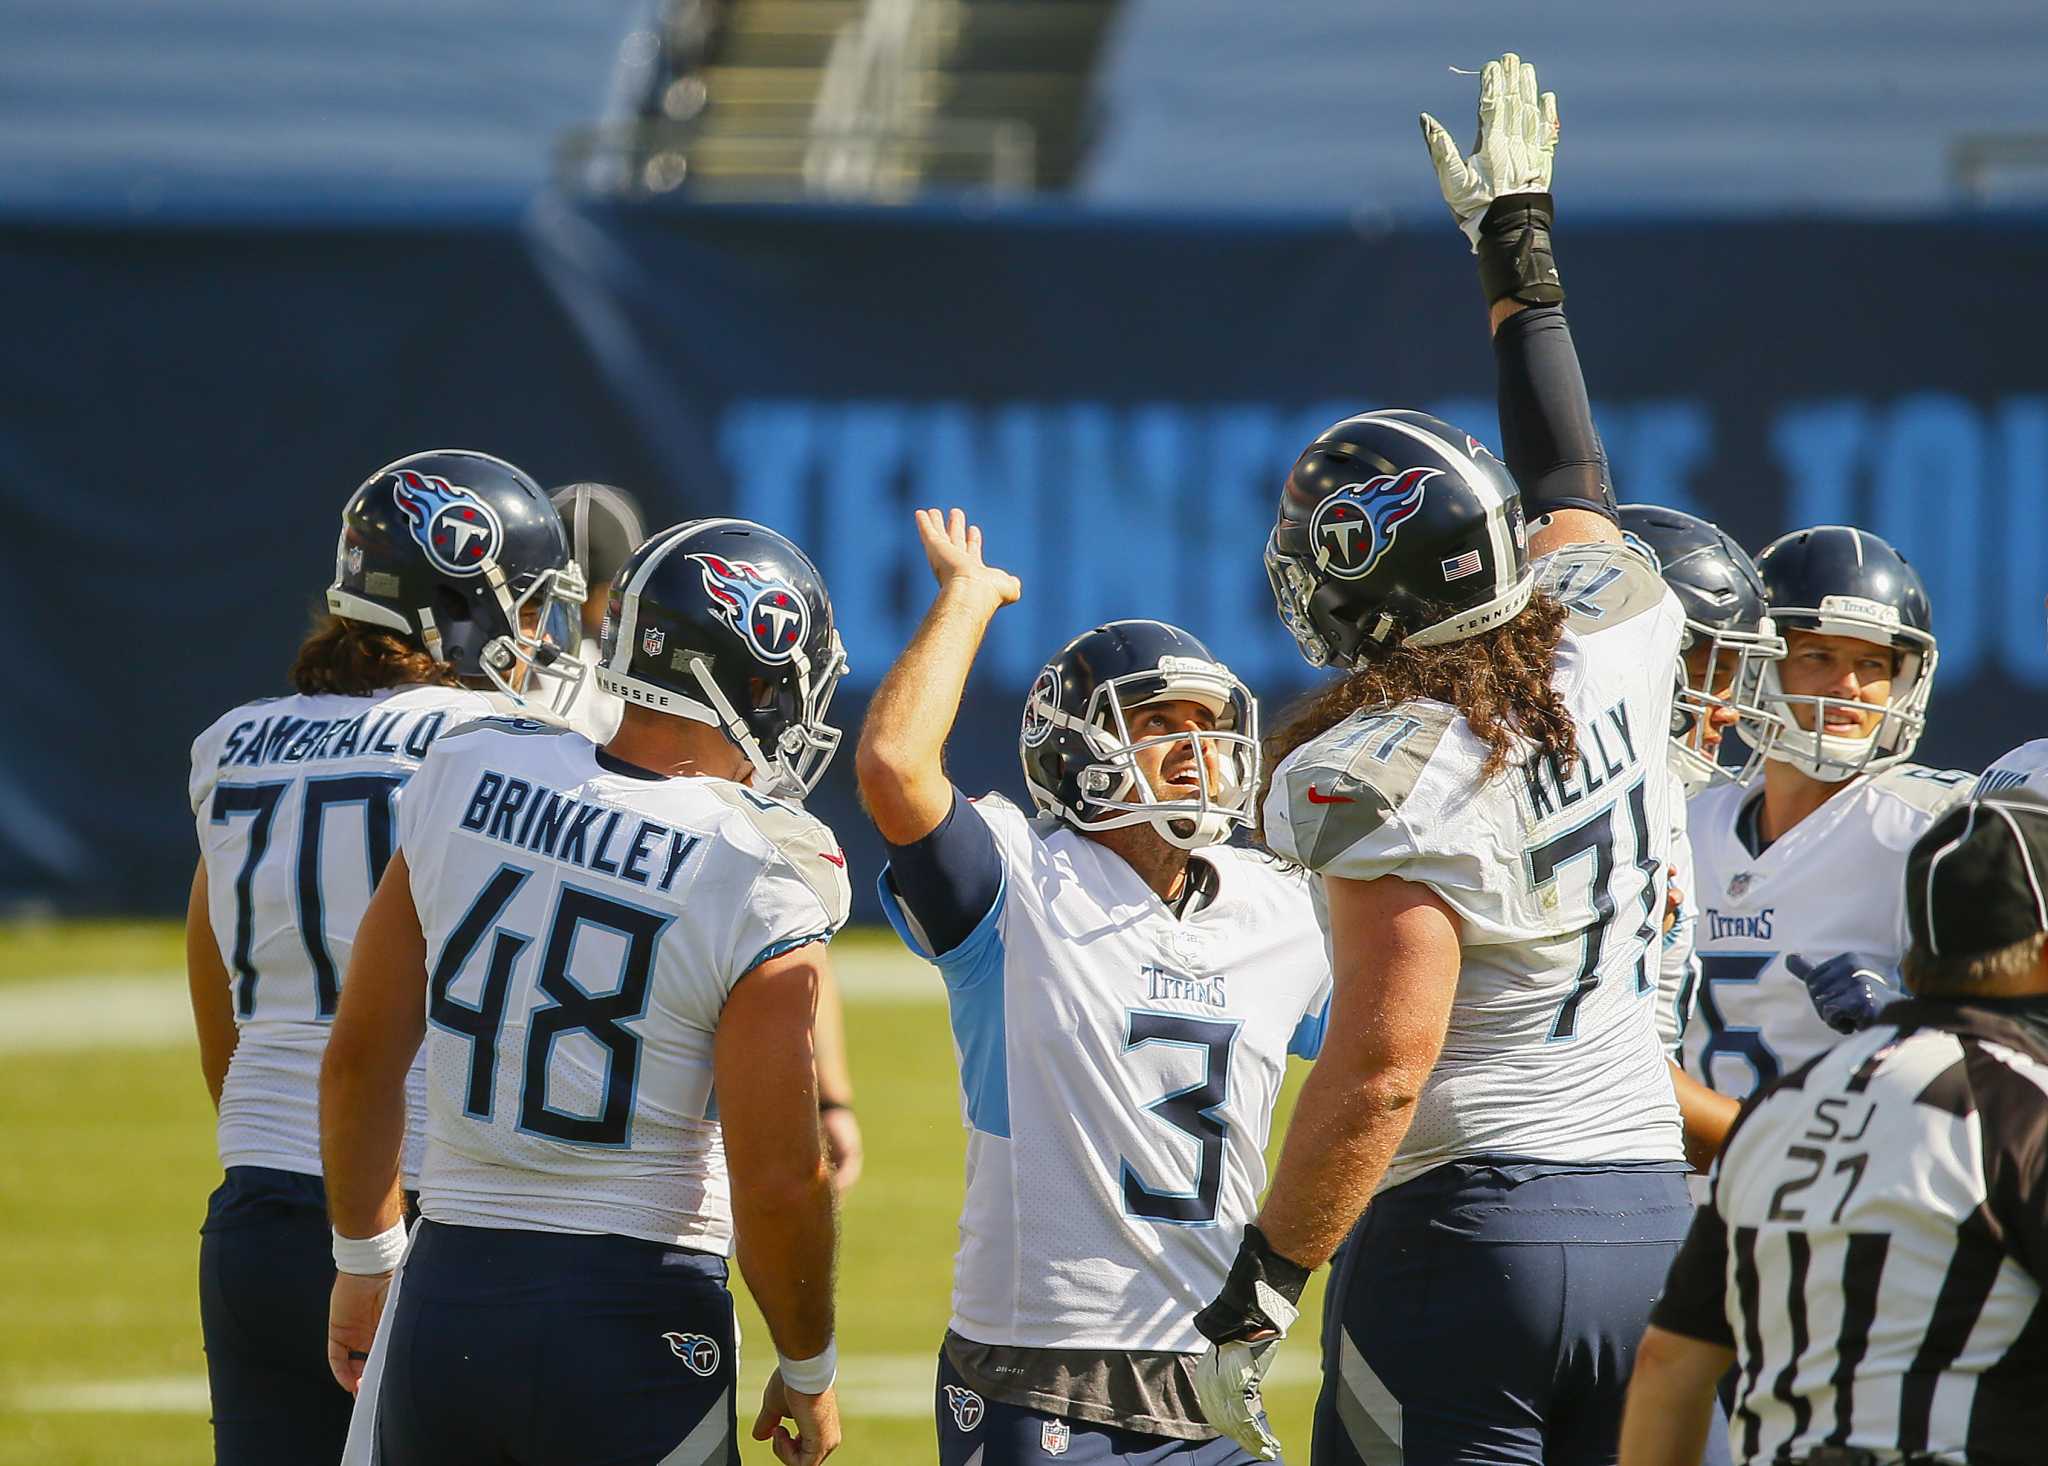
[283,738]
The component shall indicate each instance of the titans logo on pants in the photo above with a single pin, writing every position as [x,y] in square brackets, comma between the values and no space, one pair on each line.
[966,1406]
[1355,526]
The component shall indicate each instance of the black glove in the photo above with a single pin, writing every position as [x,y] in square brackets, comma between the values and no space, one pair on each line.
[1238,1313]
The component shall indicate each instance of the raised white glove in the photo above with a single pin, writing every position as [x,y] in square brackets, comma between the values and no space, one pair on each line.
[1229,1380]
[1517,143]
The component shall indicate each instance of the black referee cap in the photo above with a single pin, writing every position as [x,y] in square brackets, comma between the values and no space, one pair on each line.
[1977,881]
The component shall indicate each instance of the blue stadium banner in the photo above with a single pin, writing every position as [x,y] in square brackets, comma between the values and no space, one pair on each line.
[1114,397]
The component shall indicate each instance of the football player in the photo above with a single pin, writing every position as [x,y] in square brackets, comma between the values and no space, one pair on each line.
[1484,798]
[1799,868]
[1125,989]
[1728,635]
[605,525]
[614,955]
[448,564]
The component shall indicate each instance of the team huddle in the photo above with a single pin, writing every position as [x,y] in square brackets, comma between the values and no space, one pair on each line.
[509,955]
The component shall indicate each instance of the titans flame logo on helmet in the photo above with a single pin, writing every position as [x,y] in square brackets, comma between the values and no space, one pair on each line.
[459,531]
[1355,526]
[767,611]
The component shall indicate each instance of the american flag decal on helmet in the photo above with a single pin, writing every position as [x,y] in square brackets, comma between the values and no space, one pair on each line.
[1460,566]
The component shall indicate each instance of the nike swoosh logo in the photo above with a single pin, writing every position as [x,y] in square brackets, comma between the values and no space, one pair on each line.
[1315,798]
[835,857]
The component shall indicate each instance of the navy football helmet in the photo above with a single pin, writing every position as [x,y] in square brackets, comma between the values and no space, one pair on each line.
[1717,583]
[1080,759]
[463,555]
[1396,527]
[1840,581]
[726,622]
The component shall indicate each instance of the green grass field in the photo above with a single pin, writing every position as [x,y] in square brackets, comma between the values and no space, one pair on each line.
[108,1159]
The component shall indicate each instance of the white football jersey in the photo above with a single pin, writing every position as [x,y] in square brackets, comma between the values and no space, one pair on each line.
[585,922]
[1679,966]
[594,712]
[1557,875]
[1831,884]
[1118,1067]
[296,800]
[2026,767]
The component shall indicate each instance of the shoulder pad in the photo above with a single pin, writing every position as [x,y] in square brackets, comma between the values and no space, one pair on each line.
[501,723]
[2023,767]
[1930,791]
[802,840]
[1344,784]
[1601,585]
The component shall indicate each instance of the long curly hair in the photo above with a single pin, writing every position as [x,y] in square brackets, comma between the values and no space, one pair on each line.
[1502,681]
[356,659]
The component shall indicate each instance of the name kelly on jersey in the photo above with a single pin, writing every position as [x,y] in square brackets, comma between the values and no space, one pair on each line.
[1551,788]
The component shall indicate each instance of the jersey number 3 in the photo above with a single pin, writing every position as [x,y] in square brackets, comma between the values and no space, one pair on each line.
[1192,1111]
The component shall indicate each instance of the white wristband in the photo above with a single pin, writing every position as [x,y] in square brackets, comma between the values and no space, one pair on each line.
[812,1376]
[369,1256]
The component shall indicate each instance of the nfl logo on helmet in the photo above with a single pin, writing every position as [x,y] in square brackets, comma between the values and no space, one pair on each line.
[652,640]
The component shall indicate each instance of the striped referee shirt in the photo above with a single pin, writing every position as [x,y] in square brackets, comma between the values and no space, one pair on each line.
[1874,1247]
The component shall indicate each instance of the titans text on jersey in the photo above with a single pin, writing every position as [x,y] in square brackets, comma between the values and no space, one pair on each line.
[1833,883]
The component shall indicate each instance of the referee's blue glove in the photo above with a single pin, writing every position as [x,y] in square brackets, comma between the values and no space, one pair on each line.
[1847,991]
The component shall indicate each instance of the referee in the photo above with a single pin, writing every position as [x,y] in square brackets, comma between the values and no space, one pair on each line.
[1871,1257]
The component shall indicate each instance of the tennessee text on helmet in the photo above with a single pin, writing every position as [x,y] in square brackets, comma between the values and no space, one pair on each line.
[1840,581]
[726,622]
[1723,595]
[1396,527]
[1081,761]
[462,554]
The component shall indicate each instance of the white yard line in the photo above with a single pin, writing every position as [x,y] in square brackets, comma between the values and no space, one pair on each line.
[54,1015]
[886,1386]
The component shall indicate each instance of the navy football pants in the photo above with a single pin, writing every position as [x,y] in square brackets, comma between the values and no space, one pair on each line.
[545,1349]
[266,1267]
[976,1431]
[1488,1315]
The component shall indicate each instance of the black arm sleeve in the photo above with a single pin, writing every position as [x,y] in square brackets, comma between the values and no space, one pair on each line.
[1695,1298]
[1546,424]
[950,879]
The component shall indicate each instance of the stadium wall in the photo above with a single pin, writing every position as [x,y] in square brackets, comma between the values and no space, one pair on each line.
[1114,396]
